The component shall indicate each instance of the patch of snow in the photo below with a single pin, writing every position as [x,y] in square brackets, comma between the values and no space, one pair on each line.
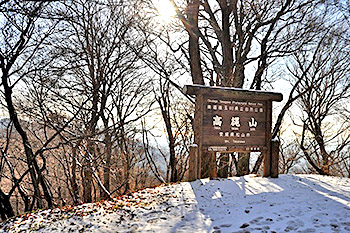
[291,203]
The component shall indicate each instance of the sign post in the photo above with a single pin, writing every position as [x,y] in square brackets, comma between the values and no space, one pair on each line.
[231,120]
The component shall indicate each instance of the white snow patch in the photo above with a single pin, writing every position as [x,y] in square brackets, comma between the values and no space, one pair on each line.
[291,203]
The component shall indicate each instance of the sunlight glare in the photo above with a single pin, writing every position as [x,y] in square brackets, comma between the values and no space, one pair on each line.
[165,9]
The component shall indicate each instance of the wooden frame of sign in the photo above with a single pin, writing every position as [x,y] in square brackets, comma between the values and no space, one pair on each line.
[231,120]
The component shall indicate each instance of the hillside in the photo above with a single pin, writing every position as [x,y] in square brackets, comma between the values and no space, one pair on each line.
[291,203]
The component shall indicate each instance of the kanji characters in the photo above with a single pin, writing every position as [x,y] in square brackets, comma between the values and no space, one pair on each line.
[235,122]
[217,121]
[253,124]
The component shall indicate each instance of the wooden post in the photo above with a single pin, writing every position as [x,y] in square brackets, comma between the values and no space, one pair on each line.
[267,163]
[198,121]
[213,166]
[267,152]
[275,144]
[199,163]
[193,163]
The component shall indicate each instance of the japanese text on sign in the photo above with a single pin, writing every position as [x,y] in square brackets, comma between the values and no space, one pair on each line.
[234,123]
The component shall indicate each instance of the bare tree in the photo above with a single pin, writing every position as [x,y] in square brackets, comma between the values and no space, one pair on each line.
[175,113]
[226,37]
[23,35]
[324,69]
[105,72]
[74,96]
[289,156]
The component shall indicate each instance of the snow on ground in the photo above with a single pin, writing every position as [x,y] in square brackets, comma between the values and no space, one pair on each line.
[291,203]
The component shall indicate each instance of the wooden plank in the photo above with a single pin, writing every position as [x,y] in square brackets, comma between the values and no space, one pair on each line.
[231,149]
[275,144]
[193,163]
[233,93]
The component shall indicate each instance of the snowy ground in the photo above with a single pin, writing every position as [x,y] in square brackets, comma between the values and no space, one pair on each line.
[301,203]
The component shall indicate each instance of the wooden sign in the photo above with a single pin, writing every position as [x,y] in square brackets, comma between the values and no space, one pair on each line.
[230,125]
[232,119]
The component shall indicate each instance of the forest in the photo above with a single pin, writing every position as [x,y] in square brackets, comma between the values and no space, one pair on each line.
[92,100]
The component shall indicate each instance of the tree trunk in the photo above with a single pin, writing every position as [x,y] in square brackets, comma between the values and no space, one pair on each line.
[73,180]
[43,182]
[87,182]
[258,164]
[173,175]
[90,154]
[31,160]
[107,165]
[227,51]
[172,162]
[194,51]
[6,210]
[125,159]
[164,103]
[25,198]
[126,173]
[238,76]
[46,191]
[205,164]
[243,164]
[223,165]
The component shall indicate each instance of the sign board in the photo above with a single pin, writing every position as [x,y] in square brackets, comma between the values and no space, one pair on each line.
[234,124]
[232,119]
